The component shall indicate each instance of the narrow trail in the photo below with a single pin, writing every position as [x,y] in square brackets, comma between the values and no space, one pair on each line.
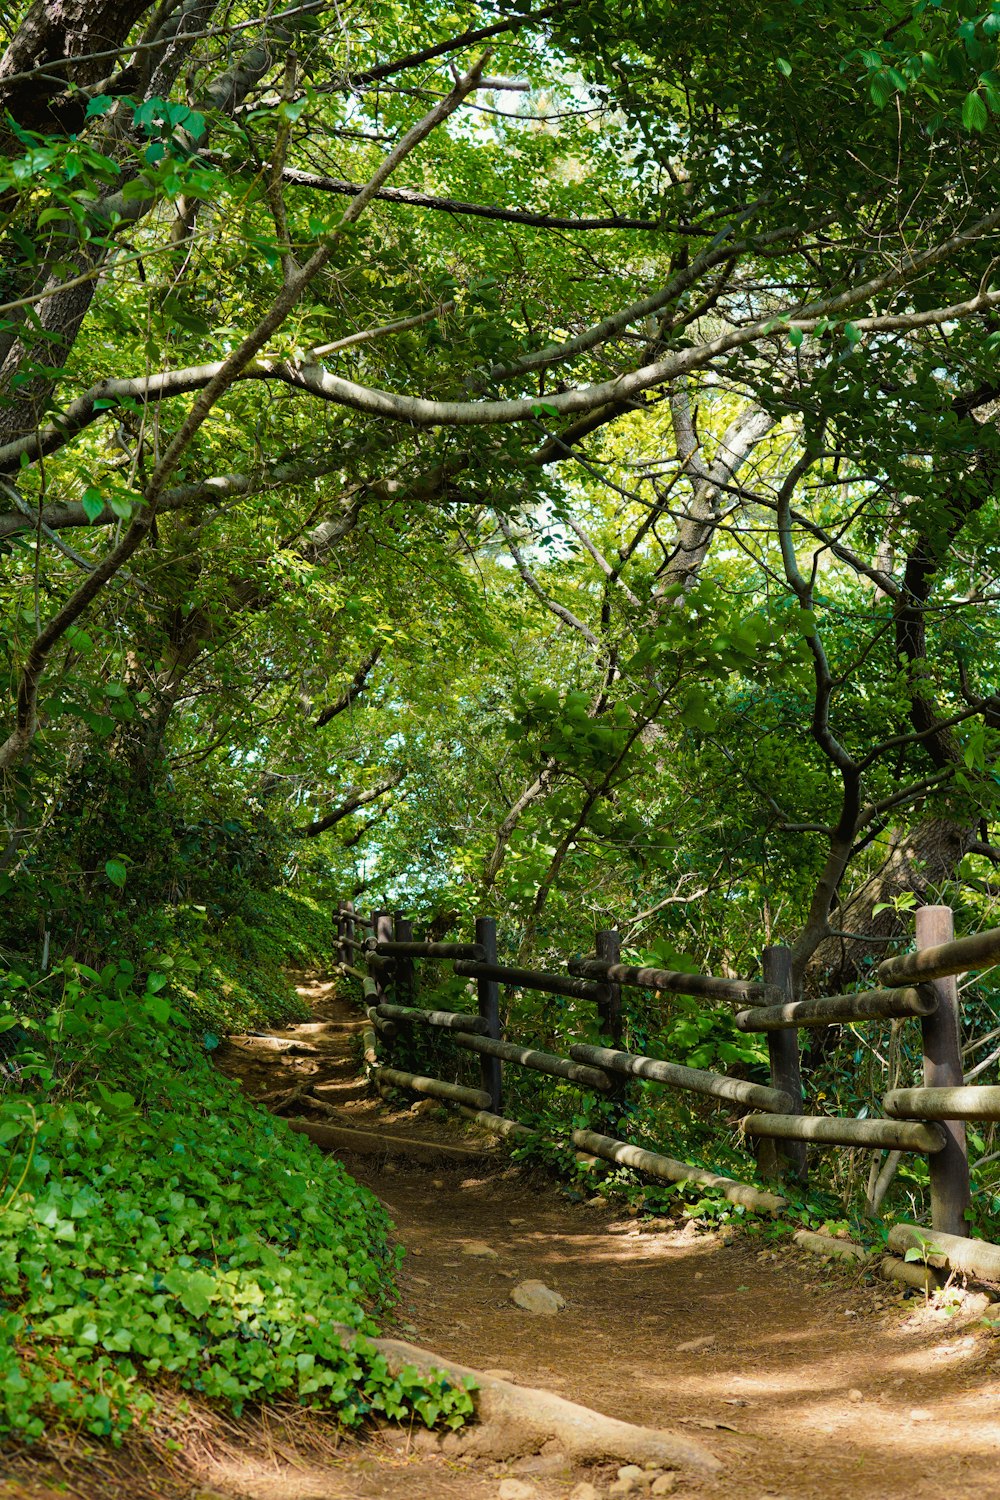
[808,1384]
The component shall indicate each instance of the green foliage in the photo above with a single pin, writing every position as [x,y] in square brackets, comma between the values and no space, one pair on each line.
[155,1225]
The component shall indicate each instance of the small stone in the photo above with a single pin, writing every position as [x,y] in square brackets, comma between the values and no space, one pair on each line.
[424,1107]
[426,1441]
[536,1297]
[499,1374]
[516,1489]
[515,1221]
[694,1344]
[632,1471]
[623,1487]
[453,1443]
[479,1250]
[436,1182]
[596,1202]
[543,1465]
[665,1485]
[585,1491]
[855,1395]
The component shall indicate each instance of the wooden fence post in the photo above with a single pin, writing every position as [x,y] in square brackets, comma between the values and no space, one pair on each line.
[347,949]
[608,947]
[382,932]
[404,984]
[951,1192]
[488,992]
[783,1050]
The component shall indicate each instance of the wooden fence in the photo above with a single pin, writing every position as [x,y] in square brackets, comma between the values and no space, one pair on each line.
[919,986]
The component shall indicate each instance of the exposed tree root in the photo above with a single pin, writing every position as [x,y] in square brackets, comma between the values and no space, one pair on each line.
[516,1420]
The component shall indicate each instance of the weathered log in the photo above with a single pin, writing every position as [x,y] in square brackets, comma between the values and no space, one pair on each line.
[980,951]
[655,1165]
[425,950]
[386,1029]
[514,1421]
[533,979]
[965,1103]
[707,986]
[971,1257]
[829,1130]
[353,973]
[698,1081]
[260,1042]
[912,1273]
[449,1020]
[379,1143]
[839,1010]
[369,1044]
[435,1088]
[498,1124]
[541,1062]
[828,1244]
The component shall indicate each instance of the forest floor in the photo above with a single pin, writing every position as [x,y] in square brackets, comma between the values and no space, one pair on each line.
[808,1382]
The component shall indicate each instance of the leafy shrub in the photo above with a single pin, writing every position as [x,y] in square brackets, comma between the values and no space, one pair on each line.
[154,1223]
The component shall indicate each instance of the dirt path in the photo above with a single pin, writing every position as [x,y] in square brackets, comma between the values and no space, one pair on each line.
[809,1385]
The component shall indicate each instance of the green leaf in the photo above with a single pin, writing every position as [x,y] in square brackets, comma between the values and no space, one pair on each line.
[93,503]
[195,1289]
[974,114]
[784,66]
[795,337]
[99,105]
[116,872]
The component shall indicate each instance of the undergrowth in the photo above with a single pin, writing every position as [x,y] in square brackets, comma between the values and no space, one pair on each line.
[156,1226]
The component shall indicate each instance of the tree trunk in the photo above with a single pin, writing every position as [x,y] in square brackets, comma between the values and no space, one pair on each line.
[920,860]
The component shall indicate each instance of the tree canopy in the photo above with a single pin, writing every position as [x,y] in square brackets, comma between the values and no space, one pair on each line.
[529,460]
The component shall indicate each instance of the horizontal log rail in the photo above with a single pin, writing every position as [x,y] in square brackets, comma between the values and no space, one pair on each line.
[828,1130]
[970,1257]
[498,1124]
[542,1062]
[433,1088]
[980,951]
[960,1103]
[425,950]
[534,979]
[927,1120]
[665,1167]
[840,1010]
[675,1075]
[705,986]
[448,1020]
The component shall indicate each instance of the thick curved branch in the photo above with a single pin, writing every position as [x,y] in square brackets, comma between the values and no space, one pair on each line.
[352,803]
[418,411]
[411,199]
[351,693]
